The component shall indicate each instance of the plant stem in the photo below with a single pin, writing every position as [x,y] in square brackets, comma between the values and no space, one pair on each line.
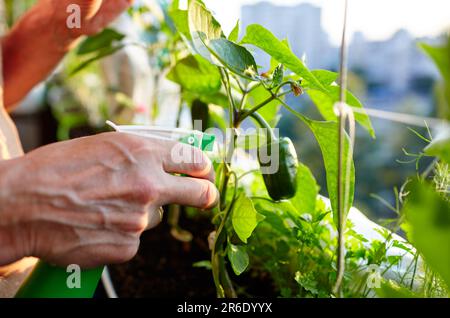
[256,108]
[274,96]
[222,280]
[416,260]
[264,124]
[232,107]
[340,212]
[247,173]
[239,83]
[277,90]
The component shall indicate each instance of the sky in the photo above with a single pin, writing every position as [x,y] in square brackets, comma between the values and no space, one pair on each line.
[377,19]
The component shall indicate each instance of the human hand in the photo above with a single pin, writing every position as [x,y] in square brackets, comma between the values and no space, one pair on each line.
[86,201]
[95,15]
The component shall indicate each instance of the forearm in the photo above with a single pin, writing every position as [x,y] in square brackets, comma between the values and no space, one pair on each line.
[31,51]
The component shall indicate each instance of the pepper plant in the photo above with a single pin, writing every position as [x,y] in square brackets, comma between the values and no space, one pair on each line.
[277,221]
[254,94]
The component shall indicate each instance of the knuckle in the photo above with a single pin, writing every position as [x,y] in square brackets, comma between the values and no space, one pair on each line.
[200,163]
[146,190]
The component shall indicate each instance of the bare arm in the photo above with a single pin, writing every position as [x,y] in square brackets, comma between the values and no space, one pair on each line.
[41,38]
[30,51]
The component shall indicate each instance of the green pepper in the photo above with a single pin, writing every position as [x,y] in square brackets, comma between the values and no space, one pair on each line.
[283,183]
[200,112]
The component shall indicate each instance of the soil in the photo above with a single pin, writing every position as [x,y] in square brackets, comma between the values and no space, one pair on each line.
[163,267]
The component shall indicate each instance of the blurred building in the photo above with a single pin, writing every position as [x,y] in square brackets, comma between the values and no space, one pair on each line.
[300,24]
[390,68]
[394,66]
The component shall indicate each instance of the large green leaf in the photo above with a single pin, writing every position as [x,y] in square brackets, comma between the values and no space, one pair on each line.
[102,40]
[324,76]
[325,103]
[327,136]
[234,57]
[244,217]
[203,27]
[326,133]
[441,57]
[440,146]
[266,41]
[237,254]
[307,191]
[195,74]
[391,289]
[428,214]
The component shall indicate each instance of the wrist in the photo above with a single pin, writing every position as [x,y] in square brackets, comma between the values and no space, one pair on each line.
[13,212]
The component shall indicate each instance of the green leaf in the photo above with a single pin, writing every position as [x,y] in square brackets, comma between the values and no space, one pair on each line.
[324,76]
[244,217]
[428,214]
[180,19]
[203,27]
[278,75]
[234,34]
[197,75]
[266,41]
[101,54]
[267,207]
[307,281]
[441,57]
[237,254]
[391,289]
[217,98]
[326,134]
[103,40]
[307,191]
[234,57]
[203,264]
[202,21]
[440,146]
[325,103]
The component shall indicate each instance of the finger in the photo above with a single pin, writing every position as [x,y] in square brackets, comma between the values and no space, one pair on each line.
[155,216]
[198,193]
[89,8]
[108,11]
[88,248]
[188,160]
[111,9]
[97,255]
